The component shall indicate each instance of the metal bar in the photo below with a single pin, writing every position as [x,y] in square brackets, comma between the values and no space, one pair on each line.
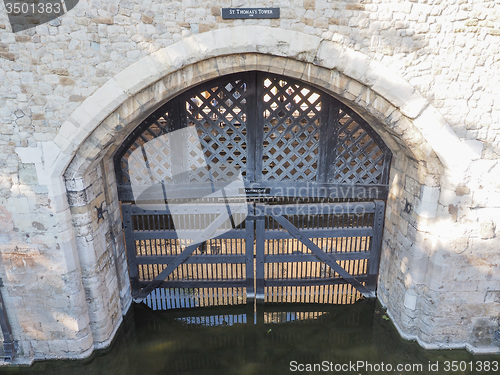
[130,245]
[376,244]
[249,256]
[197,284]
[328,145]
[321,233]
[186,234]
[313,258]
[8,340]
[193,259]
[252,130]
[277,189]
[329,260]
[259,259]
[184,208]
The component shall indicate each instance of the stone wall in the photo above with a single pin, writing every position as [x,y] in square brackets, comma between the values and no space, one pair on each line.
[421,72]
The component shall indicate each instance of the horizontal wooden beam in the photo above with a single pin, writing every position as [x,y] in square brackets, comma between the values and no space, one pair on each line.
[310,282]
[193,259]
[320,233]
[295,258]
[196,284]
[273,189]
[186,234]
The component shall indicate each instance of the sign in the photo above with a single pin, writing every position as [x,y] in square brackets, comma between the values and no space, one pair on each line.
[233,13]
[256,191]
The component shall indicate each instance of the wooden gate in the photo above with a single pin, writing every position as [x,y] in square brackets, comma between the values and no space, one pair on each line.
[315,252]
[315,183]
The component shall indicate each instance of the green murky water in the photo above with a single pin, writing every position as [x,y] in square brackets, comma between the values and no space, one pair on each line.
[273,340]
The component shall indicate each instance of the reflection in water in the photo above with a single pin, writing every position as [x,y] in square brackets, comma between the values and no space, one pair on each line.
[244,340]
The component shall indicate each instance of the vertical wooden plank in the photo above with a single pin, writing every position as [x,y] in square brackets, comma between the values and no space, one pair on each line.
[387,166]
[259,259]
[249,255]
[130,247]
[328,149]
[376,245]
[251,126]
[257,124]
[8,341]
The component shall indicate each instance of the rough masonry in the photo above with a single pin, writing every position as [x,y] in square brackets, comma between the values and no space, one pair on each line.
[423,73]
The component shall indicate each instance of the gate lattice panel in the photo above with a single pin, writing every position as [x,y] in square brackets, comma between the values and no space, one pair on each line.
[220,115]
[359,159]
[291,130]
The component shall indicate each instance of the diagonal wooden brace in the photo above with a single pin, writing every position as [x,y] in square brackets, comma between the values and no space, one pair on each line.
[182,257]
[329,259]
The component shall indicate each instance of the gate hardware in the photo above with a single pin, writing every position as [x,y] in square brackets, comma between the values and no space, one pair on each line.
[100,212]
[9,345]
[408,206]
[497,336]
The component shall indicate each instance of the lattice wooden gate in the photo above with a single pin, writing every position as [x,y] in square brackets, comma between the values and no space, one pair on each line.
[315,177]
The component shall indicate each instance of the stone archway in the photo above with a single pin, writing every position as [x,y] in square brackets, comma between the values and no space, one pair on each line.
[424,149]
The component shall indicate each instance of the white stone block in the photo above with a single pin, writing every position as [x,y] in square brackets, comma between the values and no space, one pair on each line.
[302,46]
[448,196]
[18,205]
[248,39]
[65,222]
[443,140]
[387,83]
[50,152]
[177,54]
[429,193]
[418,272]
[70,255]
[475,148]
[353,64]
[205,43]
[328,54]
[29,154]
[62,142]
[415,104]
[277,43]
[98,106]
[70,134]
[139,75]
[162,60]
[42,176]
[75,184]
[429,197]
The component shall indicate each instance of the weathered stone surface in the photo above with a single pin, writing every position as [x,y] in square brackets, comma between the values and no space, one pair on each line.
[70,90]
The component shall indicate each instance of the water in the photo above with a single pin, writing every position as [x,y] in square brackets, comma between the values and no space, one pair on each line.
[275,340]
